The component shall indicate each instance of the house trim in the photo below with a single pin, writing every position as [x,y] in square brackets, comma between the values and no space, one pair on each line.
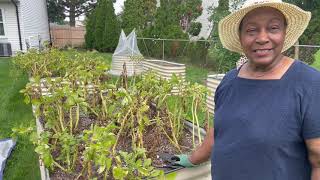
[18,21]
[4,24]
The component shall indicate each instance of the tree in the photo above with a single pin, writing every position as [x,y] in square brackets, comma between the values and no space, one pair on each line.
[223,58]
[90,30]
[138,14]
[176,13]
[111,28]
[311,36]
[76,8]
[102,28]
[55,11]
[100,23]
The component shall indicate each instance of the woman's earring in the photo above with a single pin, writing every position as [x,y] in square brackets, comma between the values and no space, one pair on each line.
[243,59]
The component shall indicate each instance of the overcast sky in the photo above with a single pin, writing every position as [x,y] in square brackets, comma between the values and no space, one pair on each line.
[118,6]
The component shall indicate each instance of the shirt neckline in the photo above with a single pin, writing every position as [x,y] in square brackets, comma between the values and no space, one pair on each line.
[284,76]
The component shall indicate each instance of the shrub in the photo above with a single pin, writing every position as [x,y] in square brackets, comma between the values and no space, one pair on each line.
[195,28]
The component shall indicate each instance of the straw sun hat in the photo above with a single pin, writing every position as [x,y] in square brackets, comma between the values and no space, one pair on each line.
[297,21]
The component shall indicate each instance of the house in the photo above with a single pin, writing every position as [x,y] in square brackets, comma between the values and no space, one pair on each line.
[23,24]
[207,25]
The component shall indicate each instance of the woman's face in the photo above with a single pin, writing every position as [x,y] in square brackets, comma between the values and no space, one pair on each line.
[262,35]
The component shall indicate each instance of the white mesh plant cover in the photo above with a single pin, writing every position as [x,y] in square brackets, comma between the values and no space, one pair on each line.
[6,146]
[128,54]
[127,46]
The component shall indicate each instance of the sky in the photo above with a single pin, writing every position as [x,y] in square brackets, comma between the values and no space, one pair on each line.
[118,6]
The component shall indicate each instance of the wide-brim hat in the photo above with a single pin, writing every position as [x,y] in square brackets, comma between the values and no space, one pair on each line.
[296,18]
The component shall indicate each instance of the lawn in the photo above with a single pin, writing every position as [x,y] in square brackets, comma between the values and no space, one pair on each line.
[23,162]
[196,74]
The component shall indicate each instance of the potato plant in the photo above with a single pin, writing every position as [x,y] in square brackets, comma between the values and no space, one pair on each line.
[87,117]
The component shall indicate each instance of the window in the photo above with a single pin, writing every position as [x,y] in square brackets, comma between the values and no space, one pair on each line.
[1,23]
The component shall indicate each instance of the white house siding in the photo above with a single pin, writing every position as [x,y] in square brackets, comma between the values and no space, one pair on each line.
[10,26]
[204,18]
[34,18]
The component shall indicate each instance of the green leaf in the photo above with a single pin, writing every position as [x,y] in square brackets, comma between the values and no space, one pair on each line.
[101,169]
[119,173]
[147,162]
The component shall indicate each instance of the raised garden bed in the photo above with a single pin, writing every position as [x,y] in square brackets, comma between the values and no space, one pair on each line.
[212,83]
[202,172]
[166,70]
[117,130]
[132,67]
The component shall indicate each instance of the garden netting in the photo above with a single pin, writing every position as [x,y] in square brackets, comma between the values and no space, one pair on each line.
[127,45]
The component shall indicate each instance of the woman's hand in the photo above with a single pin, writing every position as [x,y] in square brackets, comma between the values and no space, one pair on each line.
[184,161]
[202,152]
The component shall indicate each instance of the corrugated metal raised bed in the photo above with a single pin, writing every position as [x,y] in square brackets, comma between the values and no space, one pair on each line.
[212,83]
[132,67]
[201,172]
[165,69]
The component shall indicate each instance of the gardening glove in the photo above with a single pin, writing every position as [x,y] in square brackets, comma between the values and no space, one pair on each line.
[183,160]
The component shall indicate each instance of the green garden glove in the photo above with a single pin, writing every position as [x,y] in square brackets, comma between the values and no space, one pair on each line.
[183,160]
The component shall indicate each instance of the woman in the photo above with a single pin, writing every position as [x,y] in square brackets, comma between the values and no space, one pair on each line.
[267,113]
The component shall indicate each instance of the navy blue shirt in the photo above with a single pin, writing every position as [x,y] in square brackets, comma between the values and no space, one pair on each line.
[260,126]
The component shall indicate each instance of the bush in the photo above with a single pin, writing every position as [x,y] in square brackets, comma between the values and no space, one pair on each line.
[224,59]
[90,30]
[154,48]
[195,28]
[197,52]
[316,63]
[103,28]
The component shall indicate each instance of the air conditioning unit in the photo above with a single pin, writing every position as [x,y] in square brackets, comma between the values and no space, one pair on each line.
[5,49]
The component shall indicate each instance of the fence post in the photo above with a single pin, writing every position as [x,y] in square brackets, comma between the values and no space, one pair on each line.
[296,50]
[162,49]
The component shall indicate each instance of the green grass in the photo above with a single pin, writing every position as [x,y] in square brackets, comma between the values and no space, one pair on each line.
[106,56]
[196,74]
[23,162]
[316,63]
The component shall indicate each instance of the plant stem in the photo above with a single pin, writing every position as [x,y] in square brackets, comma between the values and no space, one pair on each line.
[193,130]
[75,155]
[59,166]
[68,161]
[198,125]
[77,116]
[172,142]
[89,170]
[61,118]
[81,173]
[120,131]
[104,107]
[70,119]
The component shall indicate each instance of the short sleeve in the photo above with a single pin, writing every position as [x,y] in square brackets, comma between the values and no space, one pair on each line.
[311,118]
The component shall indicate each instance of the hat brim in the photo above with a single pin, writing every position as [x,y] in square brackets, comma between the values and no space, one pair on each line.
[297,21]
